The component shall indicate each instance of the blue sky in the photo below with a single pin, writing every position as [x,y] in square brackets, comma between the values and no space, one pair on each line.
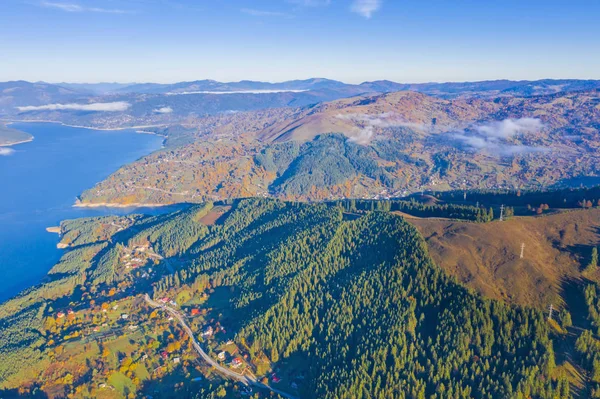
[275,40]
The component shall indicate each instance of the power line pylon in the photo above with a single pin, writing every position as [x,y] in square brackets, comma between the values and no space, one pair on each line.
[522,250]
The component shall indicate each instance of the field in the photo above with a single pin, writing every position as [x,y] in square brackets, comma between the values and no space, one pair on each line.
[486,256]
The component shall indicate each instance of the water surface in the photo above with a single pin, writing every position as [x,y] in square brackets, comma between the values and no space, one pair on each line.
[39,182]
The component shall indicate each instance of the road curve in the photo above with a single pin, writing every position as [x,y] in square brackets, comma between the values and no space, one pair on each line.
[245,379]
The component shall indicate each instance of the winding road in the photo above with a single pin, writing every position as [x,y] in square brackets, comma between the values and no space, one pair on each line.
[244,379]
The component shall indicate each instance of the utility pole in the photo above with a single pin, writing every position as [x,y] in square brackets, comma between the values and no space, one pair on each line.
[550,314]
[522,249]
[502,213]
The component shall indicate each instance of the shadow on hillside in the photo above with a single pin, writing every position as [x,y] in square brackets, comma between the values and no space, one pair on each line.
[571,290]
[14,393]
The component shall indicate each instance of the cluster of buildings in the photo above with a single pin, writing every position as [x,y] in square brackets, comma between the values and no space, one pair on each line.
[62,314]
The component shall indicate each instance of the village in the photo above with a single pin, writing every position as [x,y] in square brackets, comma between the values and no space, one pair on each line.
[139,345]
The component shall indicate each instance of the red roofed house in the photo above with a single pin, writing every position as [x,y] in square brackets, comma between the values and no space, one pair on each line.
[237,362]
[195,312]
[60,315]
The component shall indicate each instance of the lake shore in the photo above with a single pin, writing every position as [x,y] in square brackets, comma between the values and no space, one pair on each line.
[57,166]
[53,229]
[16,142]
[136,128]
[10,136]
[117,205]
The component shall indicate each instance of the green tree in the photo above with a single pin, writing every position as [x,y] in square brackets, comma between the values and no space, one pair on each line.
[593,265]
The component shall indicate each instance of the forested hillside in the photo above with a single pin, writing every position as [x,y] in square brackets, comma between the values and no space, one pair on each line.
[371,146]
[316,300]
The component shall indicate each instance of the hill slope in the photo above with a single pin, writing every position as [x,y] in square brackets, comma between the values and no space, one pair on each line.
[320,304]
[487,256]
[373,146]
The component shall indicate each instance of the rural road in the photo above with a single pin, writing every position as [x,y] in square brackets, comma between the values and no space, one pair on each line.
[245,379]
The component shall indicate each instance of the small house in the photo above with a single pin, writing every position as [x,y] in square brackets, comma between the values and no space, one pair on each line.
[124,316]
[221,355]
[237,362]
[195,312]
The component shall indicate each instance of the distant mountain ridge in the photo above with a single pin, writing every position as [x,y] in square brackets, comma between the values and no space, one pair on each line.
[445,89]
[144,104]
[244,85]
[441,89]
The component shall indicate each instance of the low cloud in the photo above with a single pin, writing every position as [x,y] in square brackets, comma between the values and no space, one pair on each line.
[117,106]
[6,151]
[366,8]
[184,93]
[74,7]
[491,138]
[370,122]
[164,110]
[510,127]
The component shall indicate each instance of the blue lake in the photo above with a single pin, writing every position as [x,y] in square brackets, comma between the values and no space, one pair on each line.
[39,182]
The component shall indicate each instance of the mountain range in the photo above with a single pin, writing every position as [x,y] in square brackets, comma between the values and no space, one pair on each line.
[152,103]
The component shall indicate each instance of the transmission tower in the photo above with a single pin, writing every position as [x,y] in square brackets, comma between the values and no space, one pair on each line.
[522,250]
[502,213]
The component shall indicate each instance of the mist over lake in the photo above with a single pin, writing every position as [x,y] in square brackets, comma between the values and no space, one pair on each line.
[39,183]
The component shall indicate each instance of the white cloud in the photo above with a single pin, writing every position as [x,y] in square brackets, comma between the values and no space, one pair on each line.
[491,137]
[164,110]
[510,127]
[6,151]
[364,136]
[366,8]
[263,13]
[74,7]
[182,93]
[368,124]
[117,106]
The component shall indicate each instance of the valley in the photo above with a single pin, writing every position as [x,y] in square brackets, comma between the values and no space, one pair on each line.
[381,146]
[299,199]
[338,249]
[257,279]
